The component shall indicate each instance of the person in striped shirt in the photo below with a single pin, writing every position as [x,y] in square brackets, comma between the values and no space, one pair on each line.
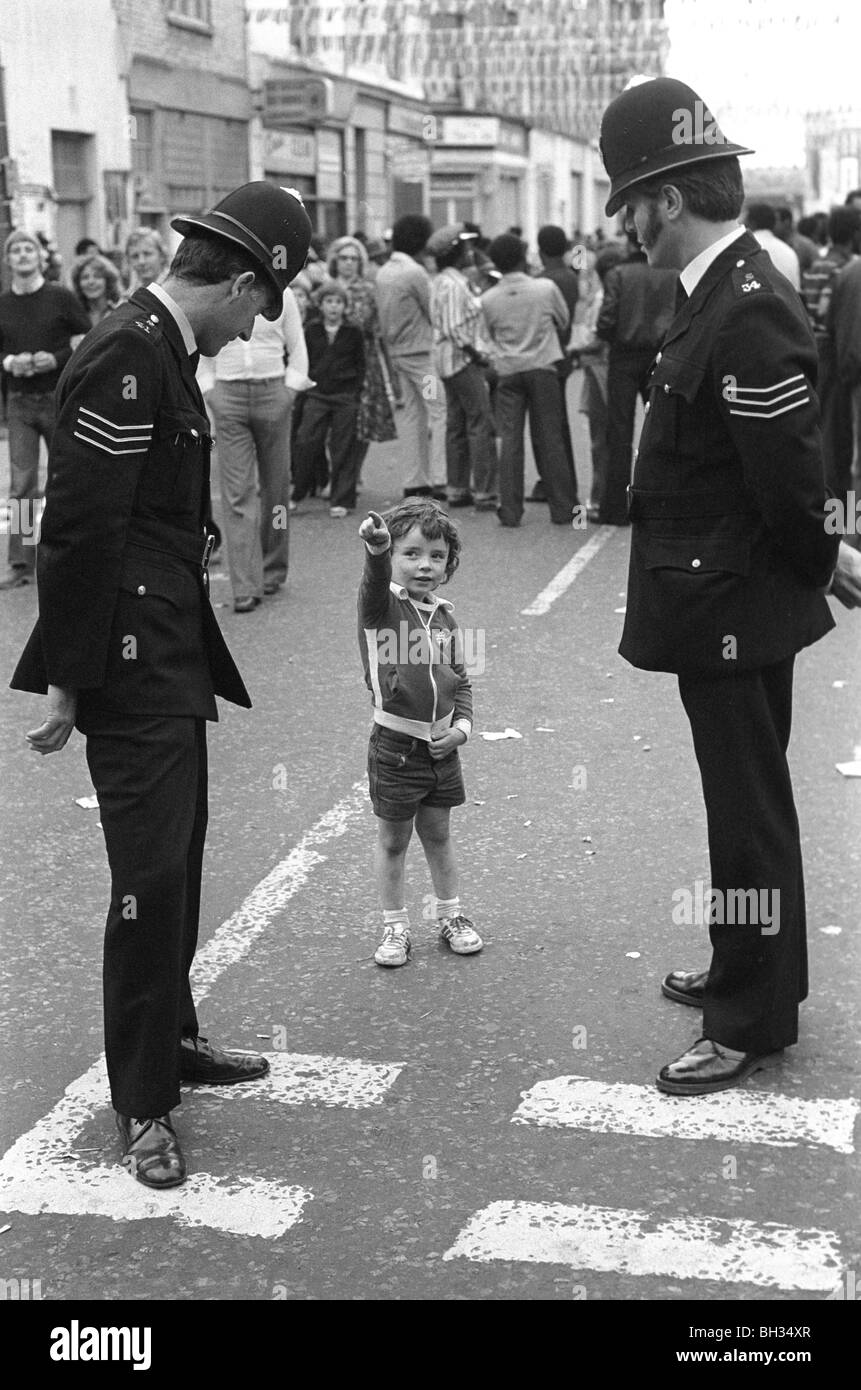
[459,355]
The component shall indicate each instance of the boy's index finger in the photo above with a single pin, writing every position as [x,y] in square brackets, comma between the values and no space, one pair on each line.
[377,520]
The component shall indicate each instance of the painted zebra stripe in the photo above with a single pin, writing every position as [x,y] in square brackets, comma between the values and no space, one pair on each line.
[542,603]
[298,1078]
[737,1117]
[611,1240]
[43,1172]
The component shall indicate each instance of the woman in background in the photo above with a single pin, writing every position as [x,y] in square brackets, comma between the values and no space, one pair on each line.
[348,263]
[96,283]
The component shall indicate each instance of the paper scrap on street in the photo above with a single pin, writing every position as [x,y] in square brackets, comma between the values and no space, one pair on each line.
[831,931]
[89,803]
[620,610]
[838,685]
[633,955]
[506,733]
[850,769]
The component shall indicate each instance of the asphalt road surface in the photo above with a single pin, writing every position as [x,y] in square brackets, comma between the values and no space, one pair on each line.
[482,1128]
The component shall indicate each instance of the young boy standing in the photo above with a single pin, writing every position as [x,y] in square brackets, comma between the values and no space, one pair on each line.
[422,712]
[336,363]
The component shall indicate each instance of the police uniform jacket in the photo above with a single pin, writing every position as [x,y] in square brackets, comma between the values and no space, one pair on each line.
[729,552]
[124,611]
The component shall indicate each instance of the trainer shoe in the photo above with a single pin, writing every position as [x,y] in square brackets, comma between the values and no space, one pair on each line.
[395,947]
[460,934]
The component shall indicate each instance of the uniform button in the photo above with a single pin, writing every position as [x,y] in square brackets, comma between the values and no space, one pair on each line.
[153,318]
[696,564]
[141,589]
[648,406]
[666,389]
[658,358]
[195,435]
[739,264]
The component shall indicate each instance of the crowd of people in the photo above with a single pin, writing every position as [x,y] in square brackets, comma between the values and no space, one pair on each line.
[443,339]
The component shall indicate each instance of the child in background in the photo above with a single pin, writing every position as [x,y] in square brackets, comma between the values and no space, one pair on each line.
[336,363]
[422,712]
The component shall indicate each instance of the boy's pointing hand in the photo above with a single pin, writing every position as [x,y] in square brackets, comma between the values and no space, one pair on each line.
[374,531]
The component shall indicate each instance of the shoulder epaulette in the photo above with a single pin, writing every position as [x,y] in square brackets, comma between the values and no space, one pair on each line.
[746,281]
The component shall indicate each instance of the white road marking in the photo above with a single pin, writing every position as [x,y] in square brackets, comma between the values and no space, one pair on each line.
[41,1172]
[298,1078]
[566,576]
[610,1240]
[733,1117]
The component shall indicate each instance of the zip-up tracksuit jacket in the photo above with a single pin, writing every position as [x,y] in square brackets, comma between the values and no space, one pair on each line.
[408,650]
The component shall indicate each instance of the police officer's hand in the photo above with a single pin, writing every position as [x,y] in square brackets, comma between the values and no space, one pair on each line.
[374,531]
[44,362]
[846,584]
[21,364]
[53,735]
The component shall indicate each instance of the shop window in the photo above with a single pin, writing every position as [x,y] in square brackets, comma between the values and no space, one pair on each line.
[140,130]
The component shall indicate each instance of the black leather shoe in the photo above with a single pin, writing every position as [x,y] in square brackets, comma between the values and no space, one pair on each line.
[247,605]
[424,491]
[439,494]
[209,1066]
[466,499]
[151,1151]
[708,1066]
[685,987]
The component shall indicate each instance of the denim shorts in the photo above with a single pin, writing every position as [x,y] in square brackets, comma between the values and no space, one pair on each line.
[403,776]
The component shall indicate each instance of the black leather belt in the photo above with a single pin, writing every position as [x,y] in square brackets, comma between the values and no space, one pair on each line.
[648,505]
[180,545]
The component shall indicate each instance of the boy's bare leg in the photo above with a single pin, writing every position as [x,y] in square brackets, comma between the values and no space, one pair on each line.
[433,829]
[389,857]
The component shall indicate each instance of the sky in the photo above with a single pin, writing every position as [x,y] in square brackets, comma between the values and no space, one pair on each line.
[759,64]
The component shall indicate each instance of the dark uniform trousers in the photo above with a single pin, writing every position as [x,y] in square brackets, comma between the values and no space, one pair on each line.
[150,775]
[757,978]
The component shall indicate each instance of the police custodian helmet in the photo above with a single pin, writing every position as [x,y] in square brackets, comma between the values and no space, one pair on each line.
[268,222]
[655,128]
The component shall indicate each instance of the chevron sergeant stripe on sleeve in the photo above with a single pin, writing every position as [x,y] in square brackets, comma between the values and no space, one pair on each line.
[764,402]
[110,437]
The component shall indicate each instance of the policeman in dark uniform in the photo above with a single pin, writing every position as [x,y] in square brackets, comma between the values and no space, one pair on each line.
[730,557]
[127,646]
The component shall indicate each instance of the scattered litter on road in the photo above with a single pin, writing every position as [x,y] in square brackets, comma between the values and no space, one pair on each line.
[4,1229]
[831,931]
[633,955]
[527,822]
[479,803]
[838,685]
[89,803]
[637,737]
[591,851]
[263,1035]
[608,700]
[852,769]
[608,675]
[540,729]
[647,747]
[586,839]
[620,610]
[512,796]
[506,733]
[521,856]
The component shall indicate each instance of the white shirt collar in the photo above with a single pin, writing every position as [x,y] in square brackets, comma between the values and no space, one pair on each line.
[696,269]
[177,314]
[431,604]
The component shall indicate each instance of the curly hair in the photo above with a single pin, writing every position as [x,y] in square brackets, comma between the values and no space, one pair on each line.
[340,244]
[434,523]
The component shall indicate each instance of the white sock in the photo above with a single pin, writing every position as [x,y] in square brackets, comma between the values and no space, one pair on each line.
[396,916]
[447,907]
